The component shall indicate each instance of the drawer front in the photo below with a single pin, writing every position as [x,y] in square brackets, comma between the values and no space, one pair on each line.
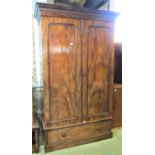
[65,135]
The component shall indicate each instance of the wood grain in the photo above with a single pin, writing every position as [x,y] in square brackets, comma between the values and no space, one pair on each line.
[78,68]
[68,137]
[117,106]
[49,10]
[62,71]
[97,68]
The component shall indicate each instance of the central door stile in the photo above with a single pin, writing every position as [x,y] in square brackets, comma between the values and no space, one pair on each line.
[81,70]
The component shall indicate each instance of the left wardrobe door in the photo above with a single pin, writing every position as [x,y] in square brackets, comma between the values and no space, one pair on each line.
[62,65]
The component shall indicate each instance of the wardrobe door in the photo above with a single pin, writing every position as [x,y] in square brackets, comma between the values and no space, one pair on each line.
[97,70]
[61,71]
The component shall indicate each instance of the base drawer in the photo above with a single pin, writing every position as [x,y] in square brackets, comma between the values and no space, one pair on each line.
[86,131]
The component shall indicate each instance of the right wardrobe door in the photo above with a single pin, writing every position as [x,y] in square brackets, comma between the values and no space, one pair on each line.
[97,70]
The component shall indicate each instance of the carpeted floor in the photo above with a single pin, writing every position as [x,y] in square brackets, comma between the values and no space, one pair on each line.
[112,146]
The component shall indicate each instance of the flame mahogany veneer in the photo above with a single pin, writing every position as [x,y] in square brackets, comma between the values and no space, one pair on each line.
[78,72]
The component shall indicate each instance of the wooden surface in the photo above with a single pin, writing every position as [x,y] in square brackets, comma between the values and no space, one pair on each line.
[78,67]
[49,10]
[69,78]
[62,81]
[62,138]
[35,137]
[118,63]
[117,106]
[112,146]
[97,69]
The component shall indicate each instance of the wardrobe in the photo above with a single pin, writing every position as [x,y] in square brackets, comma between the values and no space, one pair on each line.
[78,72]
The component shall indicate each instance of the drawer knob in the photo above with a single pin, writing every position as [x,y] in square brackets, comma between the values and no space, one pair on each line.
[63,135]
